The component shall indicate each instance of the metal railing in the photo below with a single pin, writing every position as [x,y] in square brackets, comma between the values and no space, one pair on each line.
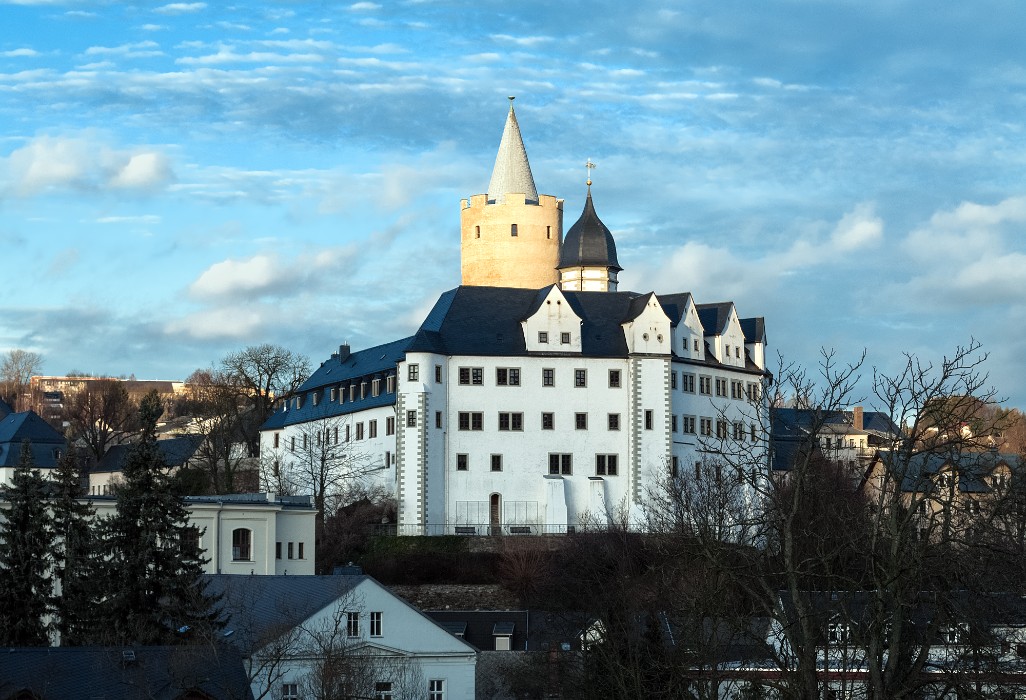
[471,529]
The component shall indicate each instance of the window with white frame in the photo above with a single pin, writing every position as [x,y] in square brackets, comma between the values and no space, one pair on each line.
[375,624]
[352,624]
[705,385]
[413,372]
[737,389]
[687,382]
[436,689]
[706,426]
[687,424]
[721,386]
[242,544]
[290,691]
[383,690]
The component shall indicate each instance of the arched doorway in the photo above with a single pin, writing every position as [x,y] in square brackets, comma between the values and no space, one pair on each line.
[495,514]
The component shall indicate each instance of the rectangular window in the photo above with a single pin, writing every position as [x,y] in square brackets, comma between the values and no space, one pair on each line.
[687,424]
[673,423]
[543,337]
[438,419]
[372,429]
[390,425]
[359,431]
[291,551]
[674,466]
[375,387]
[548,422]
[292,444]
[353,624]
[390,384]
[580,377]
[241,543]
[737,389]
[476,376]
[413,373]
[436,688]
[464,374]
[513,229]
[507,376]
[706,425]
[721,429]
[347,432]
[648,419]
[388,458]
[705,386]
[290,691]
[673,379]
[471,420]
[411,419]
[277,439]
[561,464]
[316,398]
[383,690]
[277,550]
[548,377]
[336,434]
[613,421]
[687,383]
[564,338]
[438,374]
[581,421]
[696,344]
[614,379]
[375,624]
[511,421]
[753,391]
[605,465]
[462,462]
[301,551]
[496,463]
[721,386]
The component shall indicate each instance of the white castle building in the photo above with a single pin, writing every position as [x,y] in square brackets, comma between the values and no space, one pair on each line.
[535,397]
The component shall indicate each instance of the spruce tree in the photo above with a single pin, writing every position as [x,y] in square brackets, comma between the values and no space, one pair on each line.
[26,539]
[74,553]
[153,562]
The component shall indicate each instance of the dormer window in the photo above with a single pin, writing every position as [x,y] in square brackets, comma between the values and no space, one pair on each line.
[543,337]
[316,397]
[696,344]
[564,338]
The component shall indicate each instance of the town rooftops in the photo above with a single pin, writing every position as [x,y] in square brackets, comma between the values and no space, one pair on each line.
[175,452]
[45,443]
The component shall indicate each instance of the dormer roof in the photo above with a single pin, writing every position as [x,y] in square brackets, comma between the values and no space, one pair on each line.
[512,172]
[588,243]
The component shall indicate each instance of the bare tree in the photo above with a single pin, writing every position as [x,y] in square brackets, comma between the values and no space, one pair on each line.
[220,409]
[102,414]
[16,374]
[264,373]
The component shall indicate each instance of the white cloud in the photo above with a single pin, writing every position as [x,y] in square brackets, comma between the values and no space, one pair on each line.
[266,275]
[222,323]
[140,49]
[858,229]
[18,53]
[180,8]
[364,7]
[144,219]
[527,41]
[82,163]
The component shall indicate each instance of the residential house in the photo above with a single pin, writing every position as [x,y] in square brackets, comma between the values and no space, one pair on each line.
[303,636]
[45,443]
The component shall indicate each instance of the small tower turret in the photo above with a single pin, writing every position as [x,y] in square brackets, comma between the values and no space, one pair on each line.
[510,236]
[587,258]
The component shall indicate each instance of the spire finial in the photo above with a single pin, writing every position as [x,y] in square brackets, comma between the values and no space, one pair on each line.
[511,98]
[590,166]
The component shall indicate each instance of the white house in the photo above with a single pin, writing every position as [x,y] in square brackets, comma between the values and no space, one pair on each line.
[524,409]
[340,636]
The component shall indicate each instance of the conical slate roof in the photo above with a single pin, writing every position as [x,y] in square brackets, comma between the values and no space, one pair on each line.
[588,243]
[512,172]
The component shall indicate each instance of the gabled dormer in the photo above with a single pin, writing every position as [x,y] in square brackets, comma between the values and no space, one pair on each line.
[755,339]
[552,326]
[723,334]
[648,329]
[688,336]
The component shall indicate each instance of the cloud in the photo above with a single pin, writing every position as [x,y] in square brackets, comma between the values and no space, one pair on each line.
[364,7]
[180,8]
[221,323]
[140,49]
[18,53]
[857,229]
[82,163]
[267,275]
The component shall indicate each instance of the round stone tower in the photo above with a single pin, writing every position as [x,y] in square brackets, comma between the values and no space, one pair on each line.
[510,237]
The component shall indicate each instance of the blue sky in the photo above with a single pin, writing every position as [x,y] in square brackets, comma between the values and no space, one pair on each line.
[181,180]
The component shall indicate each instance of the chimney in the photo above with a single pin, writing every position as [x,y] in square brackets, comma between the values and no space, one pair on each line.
[856,417]
[343,352]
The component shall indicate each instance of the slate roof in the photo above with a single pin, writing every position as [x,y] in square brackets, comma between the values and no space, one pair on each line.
[156,673]
[754,329]
[5,409]
[512,172]
[714,317]
[973,468]
[588,242]
[174,451]
[43,439]
[795,423]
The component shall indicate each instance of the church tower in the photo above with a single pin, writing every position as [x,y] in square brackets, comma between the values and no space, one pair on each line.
[587,258]
[510,236]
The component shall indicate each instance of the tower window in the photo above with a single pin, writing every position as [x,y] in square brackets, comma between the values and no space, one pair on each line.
[477,232]
[548,232]
[512,229]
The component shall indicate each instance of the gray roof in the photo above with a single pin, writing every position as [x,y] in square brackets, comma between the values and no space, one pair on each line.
[175,452]
[43,439]
[512,172]
[588,243]
[914,471]
[150,673]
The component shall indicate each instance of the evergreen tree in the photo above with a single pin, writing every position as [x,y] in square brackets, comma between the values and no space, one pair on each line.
[153,561]
[74,553]
[26,537]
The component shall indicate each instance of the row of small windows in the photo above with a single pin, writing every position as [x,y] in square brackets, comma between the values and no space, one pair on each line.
[510,376]
[294,550]
[723,428]
[723,387]
[332,435]
[514,231]
[560,464]
[514,421]
[355,390]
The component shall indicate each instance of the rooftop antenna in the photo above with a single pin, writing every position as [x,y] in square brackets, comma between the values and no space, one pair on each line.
[590,166]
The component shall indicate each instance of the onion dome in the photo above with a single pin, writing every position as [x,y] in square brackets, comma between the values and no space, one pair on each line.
[588,243]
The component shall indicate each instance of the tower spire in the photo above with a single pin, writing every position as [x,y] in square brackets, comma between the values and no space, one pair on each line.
[512,172]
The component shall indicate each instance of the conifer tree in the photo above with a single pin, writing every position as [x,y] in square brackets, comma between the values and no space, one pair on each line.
[26,536]
[74,553]
[153,562]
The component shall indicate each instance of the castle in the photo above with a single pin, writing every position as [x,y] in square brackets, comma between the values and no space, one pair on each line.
[535,397]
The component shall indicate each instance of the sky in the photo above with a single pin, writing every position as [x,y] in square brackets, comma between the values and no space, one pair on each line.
[182,180]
